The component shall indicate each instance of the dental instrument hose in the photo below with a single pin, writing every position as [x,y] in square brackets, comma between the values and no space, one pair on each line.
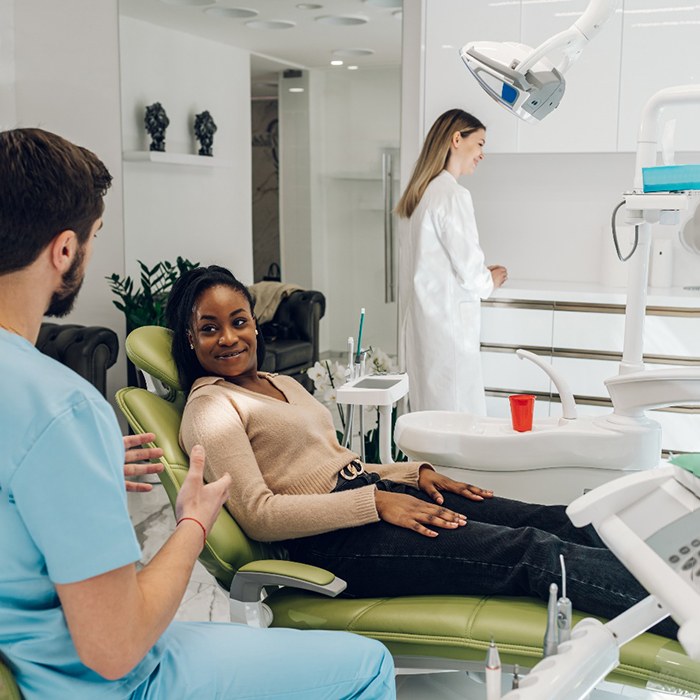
[564,610]
[614,235]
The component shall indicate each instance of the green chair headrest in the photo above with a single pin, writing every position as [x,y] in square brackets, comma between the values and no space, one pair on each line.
[150,349]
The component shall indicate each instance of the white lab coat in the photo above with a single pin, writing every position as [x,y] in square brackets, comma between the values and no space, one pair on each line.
[442,279]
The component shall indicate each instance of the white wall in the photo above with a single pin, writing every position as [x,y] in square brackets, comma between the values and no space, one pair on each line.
[67,80]
[201,213]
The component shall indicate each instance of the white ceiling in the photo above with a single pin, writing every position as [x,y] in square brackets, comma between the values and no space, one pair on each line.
[310,43]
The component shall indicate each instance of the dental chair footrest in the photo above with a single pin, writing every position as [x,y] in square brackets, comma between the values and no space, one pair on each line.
[455,632]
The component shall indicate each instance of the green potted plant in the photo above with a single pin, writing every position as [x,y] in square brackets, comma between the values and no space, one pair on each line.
[145,305]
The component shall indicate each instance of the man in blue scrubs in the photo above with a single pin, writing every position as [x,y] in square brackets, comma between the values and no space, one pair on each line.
[77,620]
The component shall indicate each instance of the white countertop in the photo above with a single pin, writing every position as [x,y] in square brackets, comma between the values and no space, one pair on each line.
[585,292]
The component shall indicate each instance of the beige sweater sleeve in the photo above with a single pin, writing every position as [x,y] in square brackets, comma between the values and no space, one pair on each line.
[264,515]
[400,472]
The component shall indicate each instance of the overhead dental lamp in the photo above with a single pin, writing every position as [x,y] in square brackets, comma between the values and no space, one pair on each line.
[523,79]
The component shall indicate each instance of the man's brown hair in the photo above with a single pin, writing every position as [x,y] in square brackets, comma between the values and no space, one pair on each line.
[47,185]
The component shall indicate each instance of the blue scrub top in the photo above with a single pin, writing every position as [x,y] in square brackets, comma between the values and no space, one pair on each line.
[63,518]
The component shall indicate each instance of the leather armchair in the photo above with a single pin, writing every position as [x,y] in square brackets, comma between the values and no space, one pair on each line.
[88,350]
[295,349]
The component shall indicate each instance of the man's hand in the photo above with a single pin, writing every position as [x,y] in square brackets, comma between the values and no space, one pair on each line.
[432,483]
[136,463]
[197,499]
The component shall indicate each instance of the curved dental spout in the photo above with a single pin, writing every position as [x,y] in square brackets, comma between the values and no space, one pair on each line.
[568,405]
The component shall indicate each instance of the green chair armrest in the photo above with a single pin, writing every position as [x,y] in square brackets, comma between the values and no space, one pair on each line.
[251,578]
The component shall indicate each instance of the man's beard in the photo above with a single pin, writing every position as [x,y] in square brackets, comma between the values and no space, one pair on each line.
[63,299]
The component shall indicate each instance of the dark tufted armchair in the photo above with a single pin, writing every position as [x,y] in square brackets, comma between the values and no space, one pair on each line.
[88,350]
[291,338]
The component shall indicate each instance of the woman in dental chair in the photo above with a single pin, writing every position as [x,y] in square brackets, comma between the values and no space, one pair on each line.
[388,530]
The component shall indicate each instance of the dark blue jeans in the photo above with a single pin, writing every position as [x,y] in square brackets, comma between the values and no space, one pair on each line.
[507,548]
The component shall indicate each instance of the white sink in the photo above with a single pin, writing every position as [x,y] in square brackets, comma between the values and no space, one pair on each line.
[575,454]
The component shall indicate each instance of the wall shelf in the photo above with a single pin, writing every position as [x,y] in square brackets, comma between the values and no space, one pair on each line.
[176,159]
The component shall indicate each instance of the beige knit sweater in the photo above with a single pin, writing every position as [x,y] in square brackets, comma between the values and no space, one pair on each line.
[283,458]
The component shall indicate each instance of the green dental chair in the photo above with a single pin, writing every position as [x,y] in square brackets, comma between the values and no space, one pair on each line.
[422,632]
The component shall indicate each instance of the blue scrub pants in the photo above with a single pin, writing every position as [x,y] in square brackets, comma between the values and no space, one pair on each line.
[211,660]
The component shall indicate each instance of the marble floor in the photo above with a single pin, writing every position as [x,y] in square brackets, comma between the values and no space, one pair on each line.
[153,521]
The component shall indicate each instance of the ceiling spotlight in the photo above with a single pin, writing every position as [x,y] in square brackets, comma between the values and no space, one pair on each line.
[269,24]
[342,20]
[353,67]
[336,62]
[385,3]
[297,89]
[231,12]
[352,53]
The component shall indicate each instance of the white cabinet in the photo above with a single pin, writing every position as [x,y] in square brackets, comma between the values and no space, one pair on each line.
[583,342]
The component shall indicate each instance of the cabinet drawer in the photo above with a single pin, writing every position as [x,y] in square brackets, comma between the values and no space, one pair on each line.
[516,326]
[581,330]
[673,336]
[506,371]
[586,377]
[679,430]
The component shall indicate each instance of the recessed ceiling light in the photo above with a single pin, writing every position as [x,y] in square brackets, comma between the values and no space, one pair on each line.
[353,67]
[309,6]
[385,3]
[336,62]
[296,89]
[269,24]
[342,20]
[232,12]
[352,53]
[188,3]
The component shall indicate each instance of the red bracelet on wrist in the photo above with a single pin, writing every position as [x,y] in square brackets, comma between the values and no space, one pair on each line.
[194,520]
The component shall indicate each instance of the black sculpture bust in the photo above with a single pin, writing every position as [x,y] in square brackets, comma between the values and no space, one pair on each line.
[156,121]
[204,130]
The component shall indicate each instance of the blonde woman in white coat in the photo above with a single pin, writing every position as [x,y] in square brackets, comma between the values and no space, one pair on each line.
[442,274]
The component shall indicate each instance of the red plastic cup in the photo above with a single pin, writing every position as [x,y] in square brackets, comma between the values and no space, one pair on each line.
[522,406]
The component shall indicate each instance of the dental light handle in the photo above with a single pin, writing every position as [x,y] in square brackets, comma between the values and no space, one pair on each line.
[568,405]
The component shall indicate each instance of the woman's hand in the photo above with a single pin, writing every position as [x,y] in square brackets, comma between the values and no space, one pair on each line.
[135,463]
[432,483]
[499,275]
[412,513]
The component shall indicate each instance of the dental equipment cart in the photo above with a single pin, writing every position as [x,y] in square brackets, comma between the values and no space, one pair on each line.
[651,521]
[380,390]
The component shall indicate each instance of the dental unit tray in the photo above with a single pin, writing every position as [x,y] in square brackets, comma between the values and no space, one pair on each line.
[671,178]
[373,390]
[650,520]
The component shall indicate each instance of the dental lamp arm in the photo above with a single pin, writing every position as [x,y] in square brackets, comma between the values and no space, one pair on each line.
[568,405]
[572,40]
